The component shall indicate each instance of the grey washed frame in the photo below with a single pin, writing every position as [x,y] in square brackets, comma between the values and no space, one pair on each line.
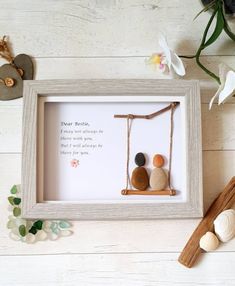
[193,207]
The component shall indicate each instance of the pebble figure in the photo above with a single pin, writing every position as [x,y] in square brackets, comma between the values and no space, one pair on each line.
[158,177]
[140,178]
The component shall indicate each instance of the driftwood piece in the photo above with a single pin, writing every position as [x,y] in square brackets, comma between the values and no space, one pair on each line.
[148,116]
[224,201]
[149,192]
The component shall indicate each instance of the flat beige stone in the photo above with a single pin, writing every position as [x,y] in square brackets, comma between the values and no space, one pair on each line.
[158,179]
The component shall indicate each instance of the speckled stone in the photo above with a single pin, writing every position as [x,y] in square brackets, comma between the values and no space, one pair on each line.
[158,179]
[140,159]
[140,179]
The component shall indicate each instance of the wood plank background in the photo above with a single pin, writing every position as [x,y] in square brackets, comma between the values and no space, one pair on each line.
[112,39]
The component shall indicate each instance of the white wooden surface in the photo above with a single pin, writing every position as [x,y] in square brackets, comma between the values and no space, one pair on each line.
[111,39]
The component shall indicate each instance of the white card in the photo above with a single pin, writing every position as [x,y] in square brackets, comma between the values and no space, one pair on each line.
[85,149]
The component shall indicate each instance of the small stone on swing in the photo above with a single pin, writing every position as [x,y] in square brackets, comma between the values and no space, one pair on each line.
[158,177]
[140,159]
[139,178]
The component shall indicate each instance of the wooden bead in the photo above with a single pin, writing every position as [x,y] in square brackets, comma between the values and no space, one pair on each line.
[140,179]
[9,82]
[158,161]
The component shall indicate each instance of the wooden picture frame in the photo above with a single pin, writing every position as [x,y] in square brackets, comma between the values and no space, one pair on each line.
[36,93]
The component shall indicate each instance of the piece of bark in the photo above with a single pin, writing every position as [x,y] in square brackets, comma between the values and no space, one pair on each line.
[224,201]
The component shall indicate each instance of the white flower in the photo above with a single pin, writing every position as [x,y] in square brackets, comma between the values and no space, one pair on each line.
[168,58]
[227,86]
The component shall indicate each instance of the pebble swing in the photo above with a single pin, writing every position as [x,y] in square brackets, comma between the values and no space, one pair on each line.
[145,190]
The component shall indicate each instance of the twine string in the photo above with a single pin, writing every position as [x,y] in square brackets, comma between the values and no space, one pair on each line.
[129,123]
[5,52]
[173,105]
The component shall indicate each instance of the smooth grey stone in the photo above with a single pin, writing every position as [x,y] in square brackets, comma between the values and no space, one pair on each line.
[25,63]
[16,91]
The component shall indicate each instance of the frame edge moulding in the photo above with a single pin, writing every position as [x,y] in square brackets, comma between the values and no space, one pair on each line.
[38,93]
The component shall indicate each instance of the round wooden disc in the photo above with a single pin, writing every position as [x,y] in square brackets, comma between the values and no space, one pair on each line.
[24,62]
[16,91]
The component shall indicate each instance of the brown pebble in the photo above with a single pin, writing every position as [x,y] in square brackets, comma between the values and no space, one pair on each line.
[158,179]
[158,161]
[140,179]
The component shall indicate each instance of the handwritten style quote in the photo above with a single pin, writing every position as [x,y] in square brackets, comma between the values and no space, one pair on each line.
[79,138]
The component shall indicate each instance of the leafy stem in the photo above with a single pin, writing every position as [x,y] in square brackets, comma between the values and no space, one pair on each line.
[188,57]
[221,24]
[228,31]
[202,46]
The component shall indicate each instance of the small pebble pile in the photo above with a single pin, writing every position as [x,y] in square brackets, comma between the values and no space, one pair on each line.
[31,231]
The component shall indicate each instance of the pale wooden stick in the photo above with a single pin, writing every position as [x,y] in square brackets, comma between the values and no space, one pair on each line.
[149,192]
[224,201]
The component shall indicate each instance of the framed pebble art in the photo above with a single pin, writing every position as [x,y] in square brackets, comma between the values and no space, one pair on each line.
[111,149]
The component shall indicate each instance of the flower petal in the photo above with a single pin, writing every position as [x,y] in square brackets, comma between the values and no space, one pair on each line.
[223,71]
[229,87]
[177,64]
[214,97]
[155,59]
[166,50]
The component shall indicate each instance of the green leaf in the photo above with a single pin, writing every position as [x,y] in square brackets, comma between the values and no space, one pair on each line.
[218,28]
[16,211]
[228,30]
[38,224]
[14,190]
[206,8]
[33,230]
[22,230]
[17,201]
[11,200]
[64,224]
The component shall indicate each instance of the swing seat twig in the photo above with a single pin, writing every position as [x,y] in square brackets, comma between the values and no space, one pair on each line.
[166,192]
